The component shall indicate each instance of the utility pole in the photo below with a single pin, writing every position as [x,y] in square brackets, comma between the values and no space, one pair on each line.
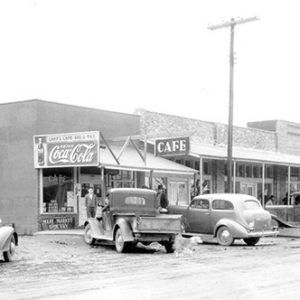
[231,24]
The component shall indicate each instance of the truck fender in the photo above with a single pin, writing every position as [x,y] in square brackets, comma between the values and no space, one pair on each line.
[5,234]
[95,226]
[237,230]
[125,229]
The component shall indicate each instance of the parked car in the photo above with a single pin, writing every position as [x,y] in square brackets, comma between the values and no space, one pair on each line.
[226,217]
[132,216]
[8,241]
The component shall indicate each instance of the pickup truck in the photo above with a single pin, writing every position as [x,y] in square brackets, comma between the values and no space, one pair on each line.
[131,216]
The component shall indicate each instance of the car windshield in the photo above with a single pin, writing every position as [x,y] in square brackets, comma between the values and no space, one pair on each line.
[251,204]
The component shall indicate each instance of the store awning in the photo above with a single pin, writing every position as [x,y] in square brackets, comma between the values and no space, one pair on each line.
[130,159]
[244,154]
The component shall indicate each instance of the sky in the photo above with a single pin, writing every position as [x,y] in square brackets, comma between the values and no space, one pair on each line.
[158,55]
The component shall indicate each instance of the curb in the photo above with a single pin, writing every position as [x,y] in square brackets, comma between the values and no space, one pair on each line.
[75,232]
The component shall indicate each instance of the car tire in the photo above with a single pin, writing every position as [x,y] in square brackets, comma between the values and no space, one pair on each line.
[224,236]
[252,241]
[8,255]
[120,244]
[169,246]
[88,235]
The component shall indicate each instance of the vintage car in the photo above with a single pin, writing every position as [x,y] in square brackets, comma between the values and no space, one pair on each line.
[8,241]
[226,217]
[132,216]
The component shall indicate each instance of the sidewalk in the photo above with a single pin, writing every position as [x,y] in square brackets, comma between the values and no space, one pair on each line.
[61,232]
[289,232]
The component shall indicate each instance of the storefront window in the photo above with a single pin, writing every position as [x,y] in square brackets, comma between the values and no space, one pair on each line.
[58,191]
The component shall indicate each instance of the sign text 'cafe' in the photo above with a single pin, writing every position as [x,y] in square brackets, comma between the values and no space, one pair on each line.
[172,146]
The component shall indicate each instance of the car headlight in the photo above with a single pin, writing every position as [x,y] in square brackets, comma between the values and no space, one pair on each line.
[251,225]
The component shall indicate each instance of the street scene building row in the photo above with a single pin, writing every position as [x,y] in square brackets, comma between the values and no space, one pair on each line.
[51,154]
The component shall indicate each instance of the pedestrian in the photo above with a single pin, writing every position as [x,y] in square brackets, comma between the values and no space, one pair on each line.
[270,200]
[90,203]
[162,197]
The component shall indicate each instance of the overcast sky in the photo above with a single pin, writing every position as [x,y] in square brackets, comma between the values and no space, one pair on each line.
[157,55]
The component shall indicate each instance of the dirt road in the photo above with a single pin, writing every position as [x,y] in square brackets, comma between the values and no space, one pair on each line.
[63,267]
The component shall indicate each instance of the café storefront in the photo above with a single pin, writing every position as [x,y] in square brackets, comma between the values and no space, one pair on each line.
[69,164]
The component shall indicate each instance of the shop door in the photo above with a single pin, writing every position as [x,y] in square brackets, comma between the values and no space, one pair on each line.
[178,192]
[248,189]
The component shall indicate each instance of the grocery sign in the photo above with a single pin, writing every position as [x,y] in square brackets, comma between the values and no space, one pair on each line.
[66,149]
[172,146]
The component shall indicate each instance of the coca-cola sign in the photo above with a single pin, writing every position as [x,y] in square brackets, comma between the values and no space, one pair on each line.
[67,149]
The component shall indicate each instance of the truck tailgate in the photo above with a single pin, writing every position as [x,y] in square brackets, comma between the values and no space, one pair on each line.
[160,224]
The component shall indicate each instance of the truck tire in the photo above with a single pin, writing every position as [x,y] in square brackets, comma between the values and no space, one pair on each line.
[120,244]
[169,247]
[88,235]
[8,255]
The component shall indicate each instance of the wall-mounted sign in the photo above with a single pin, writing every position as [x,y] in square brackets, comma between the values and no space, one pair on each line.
[172,146]
[58,223]
[66,149]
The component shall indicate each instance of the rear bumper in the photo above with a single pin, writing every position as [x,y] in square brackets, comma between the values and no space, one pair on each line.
[153,237]
[263,233]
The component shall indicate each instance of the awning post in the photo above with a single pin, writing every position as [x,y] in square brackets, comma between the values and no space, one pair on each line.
[263,185]
[234,176]
[289,185]
[103,194]
[151,179]
[201,173]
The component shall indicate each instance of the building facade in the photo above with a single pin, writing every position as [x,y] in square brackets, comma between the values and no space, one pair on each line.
[51,153]
[266,156]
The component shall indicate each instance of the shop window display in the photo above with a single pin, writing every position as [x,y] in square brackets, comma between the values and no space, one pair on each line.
[58,191]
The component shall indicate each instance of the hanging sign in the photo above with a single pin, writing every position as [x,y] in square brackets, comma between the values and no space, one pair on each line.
[66,149]
[172,146]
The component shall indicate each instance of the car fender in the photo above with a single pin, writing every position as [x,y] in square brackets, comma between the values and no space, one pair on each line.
[125,229]
[95,228]
[5,234]
[237,230]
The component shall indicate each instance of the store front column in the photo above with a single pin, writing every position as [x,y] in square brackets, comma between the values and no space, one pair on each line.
[263,184]
[201,173]
[234,176]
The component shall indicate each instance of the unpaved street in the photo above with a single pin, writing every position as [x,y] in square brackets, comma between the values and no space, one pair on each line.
[63,267]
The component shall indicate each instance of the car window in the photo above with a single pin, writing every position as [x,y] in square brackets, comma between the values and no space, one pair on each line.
[222,205]
[135,201]
[200,204]
[251,204]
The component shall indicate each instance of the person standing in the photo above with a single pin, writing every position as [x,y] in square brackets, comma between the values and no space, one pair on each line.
[91,203]
[162,197]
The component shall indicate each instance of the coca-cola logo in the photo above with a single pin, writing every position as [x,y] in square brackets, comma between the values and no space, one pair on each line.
[73,154]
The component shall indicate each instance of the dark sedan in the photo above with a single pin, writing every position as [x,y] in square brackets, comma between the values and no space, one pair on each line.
[226,217]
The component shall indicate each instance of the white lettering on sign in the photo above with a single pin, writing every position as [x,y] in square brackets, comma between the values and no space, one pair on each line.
[80,153]
[170,146]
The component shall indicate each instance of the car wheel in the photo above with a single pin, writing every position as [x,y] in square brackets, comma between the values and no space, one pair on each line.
[224,236]
[88,238]
[121,245]
[8,255]
[169,247]
[252,241]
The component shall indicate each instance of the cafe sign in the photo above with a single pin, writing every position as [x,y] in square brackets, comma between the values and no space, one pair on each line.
[172,146]
[66,149]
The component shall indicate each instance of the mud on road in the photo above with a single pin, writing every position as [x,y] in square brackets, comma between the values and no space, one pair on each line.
[63,267]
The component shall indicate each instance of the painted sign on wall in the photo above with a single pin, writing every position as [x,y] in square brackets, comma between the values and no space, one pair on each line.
[172,146]
[67,149]
[58,223]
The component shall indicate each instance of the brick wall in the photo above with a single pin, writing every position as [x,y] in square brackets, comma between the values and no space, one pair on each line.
[163,125]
